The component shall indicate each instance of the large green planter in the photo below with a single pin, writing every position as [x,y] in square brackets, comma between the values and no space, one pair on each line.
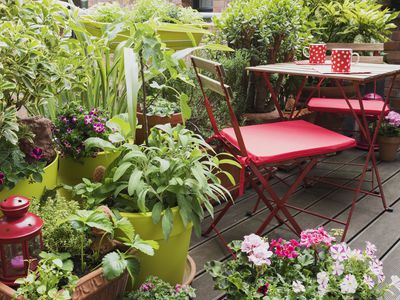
[71,171]
[169,260]
[36,189]
[175,36]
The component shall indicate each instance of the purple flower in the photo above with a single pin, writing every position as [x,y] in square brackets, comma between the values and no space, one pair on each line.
[36,153]
[2,178]
[67,144]
[147,286]
[81,109]
[99,127]
[78,150]
[94,111]
[263,289]
[74,119]
[69,130]
[393,119]
[178,287]
[64,119]
[88,120]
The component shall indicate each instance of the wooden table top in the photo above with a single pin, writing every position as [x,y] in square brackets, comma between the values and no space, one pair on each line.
[377,71]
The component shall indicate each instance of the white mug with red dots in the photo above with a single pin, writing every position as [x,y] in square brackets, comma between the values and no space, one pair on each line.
[316,53]
[342,60]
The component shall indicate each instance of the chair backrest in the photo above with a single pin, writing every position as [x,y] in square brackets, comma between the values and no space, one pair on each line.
[375,48]
[218,86]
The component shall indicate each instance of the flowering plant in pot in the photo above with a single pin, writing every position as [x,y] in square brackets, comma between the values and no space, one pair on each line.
[74,127]
[23,157]
[389,136]
[157,289]
[163,189]
[101,253]
[314,267]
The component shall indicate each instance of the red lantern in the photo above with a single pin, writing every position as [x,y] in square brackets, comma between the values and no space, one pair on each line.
[20,239]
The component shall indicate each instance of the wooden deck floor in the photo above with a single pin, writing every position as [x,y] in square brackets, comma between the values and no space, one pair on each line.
[368,223]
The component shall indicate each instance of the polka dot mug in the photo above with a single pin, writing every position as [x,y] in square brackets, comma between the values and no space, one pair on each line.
[316,53]
[342,60]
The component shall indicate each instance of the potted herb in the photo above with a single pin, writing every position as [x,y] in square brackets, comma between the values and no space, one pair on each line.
[163,189]
[28,162]
[73,126]
[102,254]
[157,289]
[314,267]
[389,137]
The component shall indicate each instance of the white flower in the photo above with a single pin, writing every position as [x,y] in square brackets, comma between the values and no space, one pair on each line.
[250,242]
[356,254]
[369,281]
[376,267]
[395,281]
[349,284]
[298,287]
[339,252]
[338,269]
[370,249]
[260,255]
[323,280]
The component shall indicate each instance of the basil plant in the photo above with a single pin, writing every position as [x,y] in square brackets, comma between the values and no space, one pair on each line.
[177,169]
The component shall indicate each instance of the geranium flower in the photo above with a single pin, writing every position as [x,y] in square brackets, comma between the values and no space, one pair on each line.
[36,153]
[369,281]
[349,284]
[263,290]
[312,237]
[147,286]
[298,287]
[338,268]
[2,178]
[250,242]
[260,255]
[283,249]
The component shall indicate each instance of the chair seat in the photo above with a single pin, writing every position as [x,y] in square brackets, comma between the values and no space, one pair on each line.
[282,141]
[371,107]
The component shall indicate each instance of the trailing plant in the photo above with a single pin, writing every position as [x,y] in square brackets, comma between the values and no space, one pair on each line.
[177,169]
[58,237]
[162,108]
[52,279]
[156,289]
[13,162]
[390,126]
[353,21]
[314,267]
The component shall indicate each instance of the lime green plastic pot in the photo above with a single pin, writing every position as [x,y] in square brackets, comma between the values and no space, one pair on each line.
[36,189]
[71,171]
[169,260]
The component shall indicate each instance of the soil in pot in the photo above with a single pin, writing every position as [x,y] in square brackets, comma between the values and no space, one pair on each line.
[388,147]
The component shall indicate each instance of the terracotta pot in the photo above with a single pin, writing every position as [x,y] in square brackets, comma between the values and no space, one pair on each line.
[152,121]
[92,286]
[388,147]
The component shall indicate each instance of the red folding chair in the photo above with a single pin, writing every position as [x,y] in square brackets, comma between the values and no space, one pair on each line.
[257,147]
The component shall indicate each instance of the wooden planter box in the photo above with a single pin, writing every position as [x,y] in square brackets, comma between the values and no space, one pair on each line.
[92,286]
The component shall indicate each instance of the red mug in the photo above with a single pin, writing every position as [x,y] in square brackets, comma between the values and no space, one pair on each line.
[342,60]
[316,53]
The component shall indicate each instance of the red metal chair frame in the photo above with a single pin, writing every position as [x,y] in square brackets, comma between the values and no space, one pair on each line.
[361,119]
[250,172]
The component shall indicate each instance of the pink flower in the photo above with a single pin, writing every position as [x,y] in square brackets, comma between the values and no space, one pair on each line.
[178,287]
[313,237]
[2,178]
[36,153]
[147,286]
[260,255]
[250,242]
[263,290]
[99,127]
[88,120]
[285,249]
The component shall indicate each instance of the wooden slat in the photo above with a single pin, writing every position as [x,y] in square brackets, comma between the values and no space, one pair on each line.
[366,59]
[213,85]
[357,46]
[207,65]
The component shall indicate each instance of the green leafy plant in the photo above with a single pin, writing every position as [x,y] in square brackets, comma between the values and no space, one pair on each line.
[353,21]
[58,237]
[156,289]
[52,279]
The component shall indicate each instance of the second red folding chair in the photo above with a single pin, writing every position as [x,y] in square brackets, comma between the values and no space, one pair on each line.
[259,147]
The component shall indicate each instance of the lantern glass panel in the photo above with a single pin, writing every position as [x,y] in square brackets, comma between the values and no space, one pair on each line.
[34,247]
[14,256]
